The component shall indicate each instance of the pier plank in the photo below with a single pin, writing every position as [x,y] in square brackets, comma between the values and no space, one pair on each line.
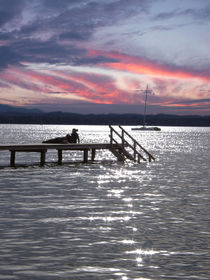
[33,147]
[43,148]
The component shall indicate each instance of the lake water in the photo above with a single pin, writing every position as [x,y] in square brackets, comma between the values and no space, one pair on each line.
[106,220]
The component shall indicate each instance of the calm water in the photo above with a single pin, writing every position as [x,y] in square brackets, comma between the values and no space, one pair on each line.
[106,220]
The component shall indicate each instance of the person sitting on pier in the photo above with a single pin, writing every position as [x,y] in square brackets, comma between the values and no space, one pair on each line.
[73,138]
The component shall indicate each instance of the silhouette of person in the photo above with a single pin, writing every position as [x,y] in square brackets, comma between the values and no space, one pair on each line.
[73,138]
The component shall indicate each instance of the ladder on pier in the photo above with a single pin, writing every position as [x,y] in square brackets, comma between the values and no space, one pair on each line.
[124,146]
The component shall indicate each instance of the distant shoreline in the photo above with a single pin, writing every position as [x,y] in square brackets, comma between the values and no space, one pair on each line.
[19,115]
[108,119]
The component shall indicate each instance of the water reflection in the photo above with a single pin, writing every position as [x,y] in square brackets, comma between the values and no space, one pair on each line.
[127,241]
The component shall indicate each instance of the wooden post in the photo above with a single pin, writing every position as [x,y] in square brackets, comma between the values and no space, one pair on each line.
[85,155]
[42,158]
[12,158]
[138,159]
[93,154]
[60,156]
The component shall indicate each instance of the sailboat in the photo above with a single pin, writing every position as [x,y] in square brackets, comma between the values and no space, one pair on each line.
[144,127]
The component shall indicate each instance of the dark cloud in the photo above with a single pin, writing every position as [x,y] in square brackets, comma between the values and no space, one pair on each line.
[28,30]
[94,60]
[53,52]
[42,37]
[9,10]
[8,57]
[75,35]
[59,4]
[196,14]
[169,15]
[37,51]
[51,48]
[108,12]
[71,20]
[77,20]
[4,36]
[55,4]
[203,14]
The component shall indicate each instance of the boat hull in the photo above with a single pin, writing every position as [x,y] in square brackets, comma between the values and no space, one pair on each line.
[147,128]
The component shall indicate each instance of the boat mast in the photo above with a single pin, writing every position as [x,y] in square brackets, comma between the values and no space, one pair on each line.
[146,92]
[145,105]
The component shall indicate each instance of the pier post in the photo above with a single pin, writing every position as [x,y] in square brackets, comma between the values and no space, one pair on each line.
[42,159]
[85,155]
[12,158]
[60,157]
[93,154]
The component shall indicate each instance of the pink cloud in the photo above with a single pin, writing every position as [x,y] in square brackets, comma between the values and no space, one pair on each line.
[141,66]
[171,84]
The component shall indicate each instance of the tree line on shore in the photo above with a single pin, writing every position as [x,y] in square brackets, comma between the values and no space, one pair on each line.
[13,115]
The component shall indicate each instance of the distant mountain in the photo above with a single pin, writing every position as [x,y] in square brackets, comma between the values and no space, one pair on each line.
[19,115]
[7,109]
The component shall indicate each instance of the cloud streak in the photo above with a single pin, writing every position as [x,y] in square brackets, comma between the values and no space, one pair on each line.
[146,67]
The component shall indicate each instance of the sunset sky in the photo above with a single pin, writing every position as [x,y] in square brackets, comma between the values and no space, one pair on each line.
[89,56]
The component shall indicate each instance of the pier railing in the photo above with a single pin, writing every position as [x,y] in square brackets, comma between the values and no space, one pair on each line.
[128,146]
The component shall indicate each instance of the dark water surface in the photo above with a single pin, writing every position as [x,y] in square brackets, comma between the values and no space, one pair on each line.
[106,220]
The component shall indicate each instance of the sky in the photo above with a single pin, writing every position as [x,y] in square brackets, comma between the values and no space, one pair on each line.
[87,56]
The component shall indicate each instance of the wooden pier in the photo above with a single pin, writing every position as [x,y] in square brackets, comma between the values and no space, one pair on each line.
[122,145]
